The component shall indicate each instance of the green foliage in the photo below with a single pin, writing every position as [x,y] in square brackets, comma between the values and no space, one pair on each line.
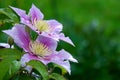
[63,70]
[56,76]
[13,69]
[23,77]
[7,62]
[11,16]
[40,67]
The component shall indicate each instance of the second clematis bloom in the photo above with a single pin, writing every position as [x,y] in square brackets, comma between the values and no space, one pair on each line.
[48,28]
[42,49]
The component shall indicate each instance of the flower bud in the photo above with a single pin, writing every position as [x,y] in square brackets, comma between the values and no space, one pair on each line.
[10,41]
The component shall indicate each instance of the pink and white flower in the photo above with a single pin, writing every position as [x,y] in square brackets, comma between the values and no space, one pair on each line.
[42,49]
[48,28]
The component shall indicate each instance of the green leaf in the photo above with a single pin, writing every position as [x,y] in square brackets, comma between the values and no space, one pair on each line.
[9,13]
[64,71]
[22,77]
[56,76]
[7,53]
[15,66]
[33,35]
[13,69]
[40,67]
[7,56]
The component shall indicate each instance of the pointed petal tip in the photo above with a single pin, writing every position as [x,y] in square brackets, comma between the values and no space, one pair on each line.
[67,55]
[33,5]
[72,44]
[71,58]
[35,13]
[13,8]
[66,39]
[6,31]
[74,60]
[3,31]
[10,7]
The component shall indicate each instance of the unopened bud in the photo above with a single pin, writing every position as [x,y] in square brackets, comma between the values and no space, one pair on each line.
[10,41]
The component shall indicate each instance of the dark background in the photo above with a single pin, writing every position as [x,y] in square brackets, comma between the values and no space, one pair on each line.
[93,26]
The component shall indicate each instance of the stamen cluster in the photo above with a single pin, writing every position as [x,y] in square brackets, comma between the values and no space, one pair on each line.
[39,49]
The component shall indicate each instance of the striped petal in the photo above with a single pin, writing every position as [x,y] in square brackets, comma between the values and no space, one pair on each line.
[35,13]
[20,36]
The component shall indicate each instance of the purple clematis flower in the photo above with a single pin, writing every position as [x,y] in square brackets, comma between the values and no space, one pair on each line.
[48,28]
[42,49]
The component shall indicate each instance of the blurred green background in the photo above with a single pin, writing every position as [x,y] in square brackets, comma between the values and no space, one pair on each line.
[93,26]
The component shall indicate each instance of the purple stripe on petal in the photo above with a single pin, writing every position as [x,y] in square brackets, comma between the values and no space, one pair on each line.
[29,24]
[20,36]
[52,44]
[55,26]
[54,36]
[35,13]
[27,57]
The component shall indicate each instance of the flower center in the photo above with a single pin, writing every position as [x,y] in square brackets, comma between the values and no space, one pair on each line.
[41,25]
[39,49]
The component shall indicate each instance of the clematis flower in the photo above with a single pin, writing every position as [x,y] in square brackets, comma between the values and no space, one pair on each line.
[42,49]
[48,28]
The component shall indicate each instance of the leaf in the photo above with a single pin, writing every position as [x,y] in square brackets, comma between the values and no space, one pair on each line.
[64,71]
[40,67]
[33,35]
[56,76]
[10,53]
[10,14]
[7,56]
[22,77]
[14,67]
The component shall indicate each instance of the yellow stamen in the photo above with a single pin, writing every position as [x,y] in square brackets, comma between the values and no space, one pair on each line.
[39,49]
[41,25]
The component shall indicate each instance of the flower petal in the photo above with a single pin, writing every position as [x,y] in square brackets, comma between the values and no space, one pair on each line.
[55,29]
[59,61]
[55,26]
[21,13]
[26,58]
[25,19]
[20,36]
[52,44]
[62,58]
[6,45]
[64,55]
[35,13]
[58,37]
[66,39]
[54,36]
